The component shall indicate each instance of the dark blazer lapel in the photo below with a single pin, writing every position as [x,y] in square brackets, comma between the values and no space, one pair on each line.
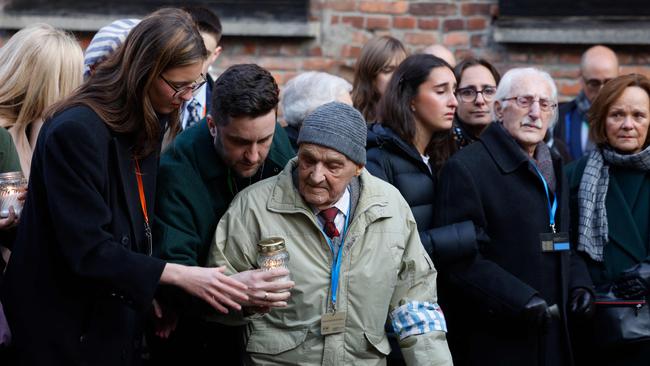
[505,151]
[621,223]
[126,167]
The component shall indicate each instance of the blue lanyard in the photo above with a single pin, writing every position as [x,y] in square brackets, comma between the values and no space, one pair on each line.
[551,208]
[336,265]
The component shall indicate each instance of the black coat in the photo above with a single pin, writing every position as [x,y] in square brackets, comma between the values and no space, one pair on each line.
[492,183]
[77,285]
[399,163]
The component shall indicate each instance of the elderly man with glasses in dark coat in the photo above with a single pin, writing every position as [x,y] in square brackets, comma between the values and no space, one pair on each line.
[508,304]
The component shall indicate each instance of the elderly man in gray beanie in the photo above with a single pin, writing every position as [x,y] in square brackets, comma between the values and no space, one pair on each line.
[355,257]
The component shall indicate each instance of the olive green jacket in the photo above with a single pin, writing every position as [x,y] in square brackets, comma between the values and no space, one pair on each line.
[384,270]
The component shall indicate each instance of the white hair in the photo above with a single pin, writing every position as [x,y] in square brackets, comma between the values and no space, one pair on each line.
[308,91]
[512,77]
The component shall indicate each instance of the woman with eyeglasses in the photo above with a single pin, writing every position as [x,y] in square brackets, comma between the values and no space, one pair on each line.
[610,212]
[477,85]
[81,278]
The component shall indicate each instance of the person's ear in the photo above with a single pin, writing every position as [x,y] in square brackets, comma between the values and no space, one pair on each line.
[358,171]
[498,109]
[212,126]
[215,55]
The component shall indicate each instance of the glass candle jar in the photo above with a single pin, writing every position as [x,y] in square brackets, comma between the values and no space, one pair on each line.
[272,253]
[12,184]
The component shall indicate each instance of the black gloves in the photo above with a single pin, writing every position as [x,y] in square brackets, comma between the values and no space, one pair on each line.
[536,312]
[634,282]
[581,303]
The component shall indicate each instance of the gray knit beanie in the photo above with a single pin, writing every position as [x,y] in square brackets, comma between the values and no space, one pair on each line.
[338,126]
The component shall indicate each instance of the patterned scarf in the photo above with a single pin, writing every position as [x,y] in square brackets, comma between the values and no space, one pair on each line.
[592,224]
[582,103]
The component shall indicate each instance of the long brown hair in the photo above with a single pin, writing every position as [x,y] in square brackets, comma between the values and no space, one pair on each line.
[118,91]
[375,55]
[395,111]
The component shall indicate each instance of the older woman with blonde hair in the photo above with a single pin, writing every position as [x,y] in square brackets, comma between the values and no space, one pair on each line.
[39,66]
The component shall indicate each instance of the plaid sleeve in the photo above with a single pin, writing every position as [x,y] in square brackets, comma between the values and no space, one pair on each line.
[417,317]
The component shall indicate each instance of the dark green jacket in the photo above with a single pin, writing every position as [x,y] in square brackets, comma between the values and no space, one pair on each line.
[628,218]
[193,193]
[9,161]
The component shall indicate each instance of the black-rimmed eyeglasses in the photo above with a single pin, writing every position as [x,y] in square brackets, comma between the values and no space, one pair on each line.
[469,94]
[194,87]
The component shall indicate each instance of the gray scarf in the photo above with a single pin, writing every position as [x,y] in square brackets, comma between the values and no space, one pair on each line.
[592,224]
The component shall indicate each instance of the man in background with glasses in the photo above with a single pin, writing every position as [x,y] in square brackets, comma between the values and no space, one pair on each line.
[508,304]
[599,65]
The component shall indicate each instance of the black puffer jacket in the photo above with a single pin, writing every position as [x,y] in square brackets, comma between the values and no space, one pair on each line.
[399,163]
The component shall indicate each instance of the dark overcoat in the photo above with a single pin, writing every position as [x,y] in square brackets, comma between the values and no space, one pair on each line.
[79,280]
[399,163]
[492,183]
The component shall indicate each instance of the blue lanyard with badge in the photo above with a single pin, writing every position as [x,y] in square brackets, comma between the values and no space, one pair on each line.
[333,321]
[553,241]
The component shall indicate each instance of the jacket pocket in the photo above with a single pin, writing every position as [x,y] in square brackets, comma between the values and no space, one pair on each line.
[378,342]
[274,341]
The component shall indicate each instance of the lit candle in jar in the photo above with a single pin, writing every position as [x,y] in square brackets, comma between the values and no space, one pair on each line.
[272,253]
[12,184]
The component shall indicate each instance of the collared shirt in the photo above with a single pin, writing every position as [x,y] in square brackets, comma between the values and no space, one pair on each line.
[200,97]
[343,204]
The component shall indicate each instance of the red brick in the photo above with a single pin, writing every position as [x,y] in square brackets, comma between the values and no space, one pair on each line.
[351,51]
[643,70]
[456,39]
[494,10]
[420,38]
[642,58]
[453,25]
[433,9]
[431,23]
[568,88]
[404,22]
[291,50]
[564,72]
[278,63]
[386,7]
[318,63]
[249,48]
[625,58]
[517,57]
[335,19]
[476,23]
[373,23]
[354,21]
[360,37]
[478,40]
[342,5]
[543,57]
[569,58]
[463,54]
[475,9]
[316,51]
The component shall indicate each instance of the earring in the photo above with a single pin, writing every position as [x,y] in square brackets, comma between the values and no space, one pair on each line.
[413,109]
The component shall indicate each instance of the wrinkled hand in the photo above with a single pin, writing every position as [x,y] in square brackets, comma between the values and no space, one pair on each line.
[264,292]
[581,303]
[536,313]
[165,320]
[634,282]
[10,221]
[208,284]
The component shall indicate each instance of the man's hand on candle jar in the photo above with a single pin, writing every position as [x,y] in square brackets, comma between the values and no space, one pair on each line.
[263,288]
[9,221]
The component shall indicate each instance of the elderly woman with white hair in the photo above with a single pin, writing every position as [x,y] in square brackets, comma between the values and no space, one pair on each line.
[508,304]
[306,92]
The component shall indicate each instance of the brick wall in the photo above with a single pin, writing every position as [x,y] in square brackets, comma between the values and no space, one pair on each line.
[464,26]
